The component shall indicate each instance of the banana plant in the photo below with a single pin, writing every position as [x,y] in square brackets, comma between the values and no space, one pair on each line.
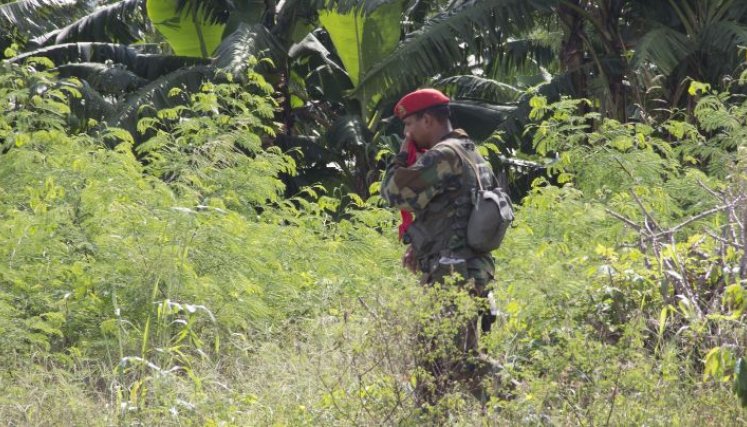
[107,48]
[362,38]
[329,64]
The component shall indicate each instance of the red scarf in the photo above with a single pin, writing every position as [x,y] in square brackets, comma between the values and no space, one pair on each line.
[412,155]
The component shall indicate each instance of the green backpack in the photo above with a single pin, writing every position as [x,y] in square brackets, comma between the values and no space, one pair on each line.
[492,211]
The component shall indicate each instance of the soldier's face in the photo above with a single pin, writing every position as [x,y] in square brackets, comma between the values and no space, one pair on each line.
[415,129]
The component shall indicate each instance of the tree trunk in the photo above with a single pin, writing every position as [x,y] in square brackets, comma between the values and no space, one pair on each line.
[572,47]
[616,65]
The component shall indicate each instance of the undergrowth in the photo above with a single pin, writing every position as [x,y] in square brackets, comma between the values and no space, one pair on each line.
[172,283]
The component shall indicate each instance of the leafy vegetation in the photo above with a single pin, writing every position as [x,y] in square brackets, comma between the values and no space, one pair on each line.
[339,66]
[208,246]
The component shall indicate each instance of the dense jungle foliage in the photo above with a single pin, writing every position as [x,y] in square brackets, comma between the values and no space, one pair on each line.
[202,243]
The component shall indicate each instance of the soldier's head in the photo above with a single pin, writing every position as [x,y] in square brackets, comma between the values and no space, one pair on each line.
[425,113]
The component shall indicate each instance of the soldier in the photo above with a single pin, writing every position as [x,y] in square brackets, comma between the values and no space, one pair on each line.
[438,189]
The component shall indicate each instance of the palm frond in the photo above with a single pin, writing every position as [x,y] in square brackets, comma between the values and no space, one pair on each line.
[735,11]
[439,45]
[663,47]
[478,88]
[724,36]
[248,40]
[35,17]
[121,22]
[146,66]
[720,45]
[524,54]
[654,13]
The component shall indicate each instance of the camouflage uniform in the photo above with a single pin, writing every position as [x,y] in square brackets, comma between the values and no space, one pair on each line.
[438,189]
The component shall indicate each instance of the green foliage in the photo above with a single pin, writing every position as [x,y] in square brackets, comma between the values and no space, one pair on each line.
[363,38]
[666,263]
[189,33]
[158,268]
[182,286]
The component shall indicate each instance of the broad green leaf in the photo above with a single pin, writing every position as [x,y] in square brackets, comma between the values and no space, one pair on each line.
[187,34]
[363,39]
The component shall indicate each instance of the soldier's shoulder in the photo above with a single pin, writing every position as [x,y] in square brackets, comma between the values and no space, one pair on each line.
[436,154]
[446,147]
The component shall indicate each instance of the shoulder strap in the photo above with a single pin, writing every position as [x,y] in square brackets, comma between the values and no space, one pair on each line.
[464,155]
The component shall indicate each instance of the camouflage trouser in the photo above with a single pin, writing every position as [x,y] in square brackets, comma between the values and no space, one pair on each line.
[443,365]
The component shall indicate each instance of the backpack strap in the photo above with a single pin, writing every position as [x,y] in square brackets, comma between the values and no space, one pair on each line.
[466,158]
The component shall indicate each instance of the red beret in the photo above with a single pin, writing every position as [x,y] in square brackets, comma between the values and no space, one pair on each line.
[419,101]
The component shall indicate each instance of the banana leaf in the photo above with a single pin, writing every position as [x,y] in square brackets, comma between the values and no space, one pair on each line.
[36,17]
[362,38]
[146,66]
[121,22]
[192,30]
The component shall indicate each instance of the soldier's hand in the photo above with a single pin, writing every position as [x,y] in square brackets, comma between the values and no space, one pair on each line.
[409,261]
[403,147]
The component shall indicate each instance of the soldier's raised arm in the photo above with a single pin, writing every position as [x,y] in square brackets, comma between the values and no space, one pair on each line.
[411,188]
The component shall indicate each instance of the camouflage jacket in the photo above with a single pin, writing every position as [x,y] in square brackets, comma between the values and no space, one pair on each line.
[438,189]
